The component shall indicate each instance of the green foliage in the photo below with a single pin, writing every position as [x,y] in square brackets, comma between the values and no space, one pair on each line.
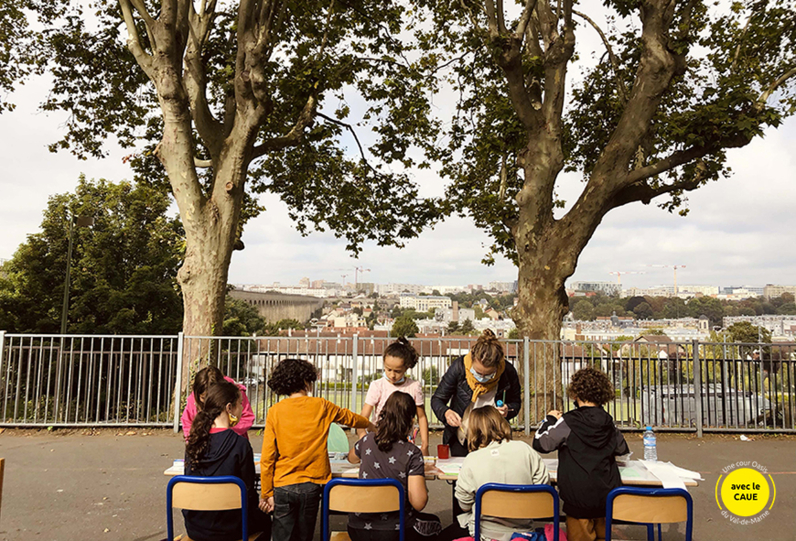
[431,375]
[241,318]
[744,331]
[453,326]
[334,53]
[274,329]
[467,327]
[404,326]
[514,334]
[124,268]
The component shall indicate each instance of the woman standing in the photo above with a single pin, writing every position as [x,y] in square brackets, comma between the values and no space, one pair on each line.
[480,378]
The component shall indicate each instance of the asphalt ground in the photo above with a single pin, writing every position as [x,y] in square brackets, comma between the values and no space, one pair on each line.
[109,484]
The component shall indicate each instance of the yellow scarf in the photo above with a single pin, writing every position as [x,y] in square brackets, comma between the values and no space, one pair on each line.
[477,387]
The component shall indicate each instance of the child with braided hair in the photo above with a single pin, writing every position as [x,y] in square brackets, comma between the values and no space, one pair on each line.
[213,450]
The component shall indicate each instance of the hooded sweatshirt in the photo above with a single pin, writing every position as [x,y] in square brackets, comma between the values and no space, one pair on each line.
[227,454]
[588,442]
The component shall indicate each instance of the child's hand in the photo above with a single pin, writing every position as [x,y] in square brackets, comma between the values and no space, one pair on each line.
[555,413]
[266,505]
[453,418]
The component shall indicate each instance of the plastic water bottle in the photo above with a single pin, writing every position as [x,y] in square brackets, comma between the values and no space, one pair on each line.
[650,445]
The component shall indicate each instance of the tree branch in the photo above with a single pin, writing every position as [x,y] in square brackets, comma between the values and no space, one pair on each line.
[644,193]
[470,13]
[202,164]
[353,132]
[134,41]
[773,86]
[525,18]
[611,56]
[557,58]
[195,80]
[294,135]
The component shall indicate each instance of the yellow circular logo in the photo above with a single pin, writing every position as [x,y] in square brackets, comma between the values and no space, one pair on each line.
[745,492]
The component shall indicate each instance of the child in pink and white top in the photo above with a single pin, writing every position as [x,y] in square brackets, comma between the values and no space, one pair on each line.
[399,358]
[202,381]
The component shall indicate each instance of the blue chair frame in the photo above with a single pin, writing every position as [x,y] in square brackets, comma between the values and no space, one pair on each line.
[207,481]
[649,492]
[517,489]
[361,483]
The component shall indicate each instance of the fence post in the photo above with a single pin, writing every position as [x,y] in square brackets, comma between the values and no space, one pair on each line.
[354,371]
[697,387]
[526,388]
[178,383]
[2,347]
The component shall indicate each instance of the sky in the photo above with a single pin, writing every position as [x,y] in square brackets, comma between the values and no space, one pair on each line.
[739,231]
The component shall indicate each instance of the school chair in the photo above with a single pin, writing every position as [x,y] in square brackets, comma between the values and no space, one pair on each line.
[207,494]
[361,496]
[517,502]
[650,506]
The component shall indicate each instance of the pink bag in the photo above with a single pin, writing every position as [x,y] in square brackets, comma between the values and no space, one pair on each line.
[549,532]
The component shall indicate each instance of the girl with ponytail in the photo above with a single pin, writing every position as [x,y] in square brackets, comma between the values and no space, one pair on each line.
[399,358]
[386,454]
[213,450]
[480,378]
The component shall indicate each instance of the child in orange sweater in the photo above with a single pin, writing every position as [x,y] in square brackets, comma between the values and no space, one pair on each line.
[294,464]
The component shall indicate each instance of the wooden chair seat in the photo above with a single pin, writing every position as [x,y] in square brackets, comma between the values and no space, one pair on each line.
[340,536]
[252,537]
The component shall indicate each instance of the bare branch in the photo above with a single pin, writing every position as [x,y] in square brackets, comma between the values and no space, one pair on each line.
[645,193]
[527,12]
[740,43]
[202,164]
[611,56]
[773,86]
[134,41]
[353,132]
[501,18]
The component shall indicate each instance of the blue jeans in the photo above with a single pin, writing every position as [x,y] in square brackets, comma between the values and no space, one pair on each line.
[296,511]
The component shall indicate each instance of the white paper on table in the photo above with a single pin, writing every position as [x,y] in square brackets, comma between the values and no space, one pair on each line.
[451,465]
[688,474]
[665,473]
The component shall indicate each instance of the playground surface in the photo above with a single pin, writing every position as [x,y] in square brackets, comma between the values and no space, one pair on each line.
[92,484]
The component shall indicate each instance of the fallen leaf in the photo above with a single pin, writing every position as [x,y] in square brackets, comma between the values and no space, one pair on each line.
[130,433]
[106,530]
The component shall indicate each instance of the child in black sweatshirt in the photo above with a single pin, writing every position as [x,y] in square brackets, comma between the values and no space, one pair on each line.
[215,450]
[588,442]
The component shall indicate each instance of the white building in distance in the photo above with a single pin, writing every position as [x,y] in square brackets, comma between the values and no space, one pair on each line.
[424,303]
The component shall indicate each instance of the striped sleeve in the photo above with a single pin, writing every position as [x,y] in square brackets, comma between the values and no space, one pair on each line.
[552,433]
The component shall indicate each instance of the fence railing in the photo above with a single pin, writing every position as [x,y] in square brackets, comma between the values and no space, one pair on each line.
[91,380]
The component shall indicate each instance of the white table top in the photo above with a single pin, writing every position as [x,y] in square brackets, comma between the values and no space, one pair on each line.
[635,473]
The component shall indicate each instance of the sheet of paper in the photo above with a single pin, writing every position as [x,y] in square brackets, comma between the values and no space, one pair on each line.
[665,473]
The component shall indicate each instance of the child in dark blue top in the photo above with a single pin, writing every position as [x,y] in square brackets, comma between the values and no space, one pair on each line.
[215,450]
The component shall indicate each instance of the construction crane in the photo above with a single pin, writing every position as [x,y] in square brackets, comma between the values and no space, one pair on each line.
[674,267]
[357,270]
[620,273]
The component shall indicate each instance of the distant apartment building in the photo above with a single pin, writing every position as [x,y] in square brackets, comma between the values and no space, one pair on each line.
[397,289]
[503,287]
[454,313]
[773,291]
[424,303]
[304,282]
[657,291]
[778,326]
[608,288]
[703,290]
[749,291]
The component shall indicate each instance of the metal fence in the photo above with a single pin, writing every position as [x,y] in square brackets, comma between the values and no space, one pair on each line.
[90,380]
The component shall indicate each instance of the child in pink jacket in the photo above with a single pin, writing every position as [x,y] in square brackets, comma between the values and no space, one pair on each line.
[204,379]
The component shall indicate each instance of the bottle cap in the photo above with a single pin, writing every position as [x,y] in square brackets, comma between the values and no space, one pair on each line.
[499,403]
[649,428]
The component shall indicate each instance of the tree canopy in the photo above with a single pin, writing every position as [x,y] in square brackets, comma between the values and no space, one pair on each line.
[124,267]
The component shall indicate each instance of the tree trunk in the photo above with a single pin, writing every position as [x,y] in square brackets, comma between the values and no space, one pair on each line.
[541,307]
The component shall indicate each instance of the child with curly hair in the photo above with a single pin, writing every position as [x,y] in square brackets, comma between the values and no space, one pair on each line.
[587,442]
[294,464]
